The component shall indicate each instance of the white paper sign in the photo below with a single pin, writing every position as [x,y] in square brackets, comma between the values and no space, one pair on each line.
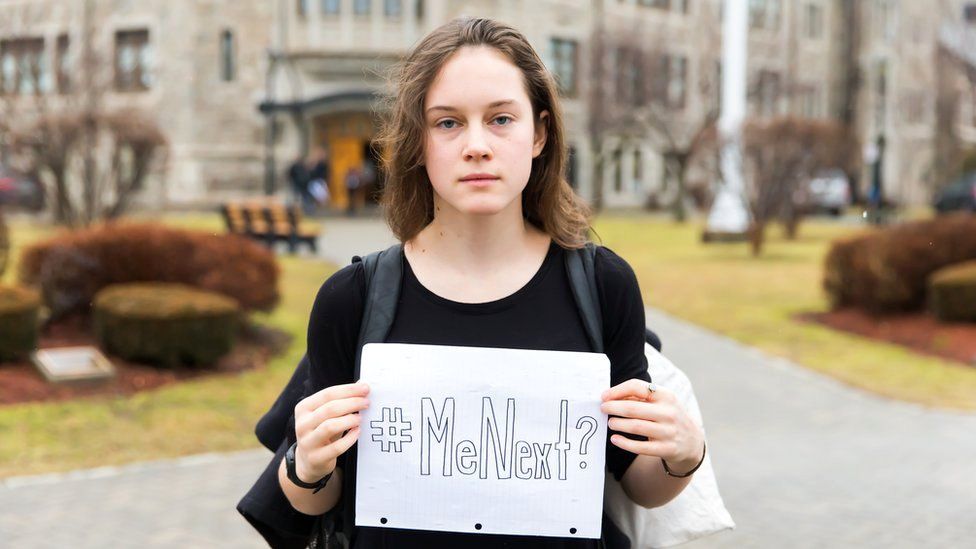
[470,439]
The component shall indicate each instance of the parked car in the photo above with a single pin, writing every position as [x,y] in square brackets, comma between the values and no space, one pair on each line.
[20,191]
[958,195]
[828,191]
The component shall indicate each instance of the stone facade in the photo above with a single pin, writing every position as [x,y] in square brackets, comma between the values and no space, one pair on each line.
[331,57]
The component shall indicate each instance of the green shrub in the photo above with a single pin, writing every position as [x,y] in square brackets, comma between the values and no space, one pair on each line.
[70,268]
[165,324]
[952,292]
[18,321]
[887,270]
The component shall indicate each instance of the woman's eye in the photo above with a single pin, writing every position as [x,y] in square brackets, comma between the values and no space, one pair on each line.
[503,117]
[440,124]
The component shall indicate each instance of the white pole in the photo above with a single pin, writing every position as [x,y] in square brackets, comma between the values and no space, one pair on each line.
[729,215]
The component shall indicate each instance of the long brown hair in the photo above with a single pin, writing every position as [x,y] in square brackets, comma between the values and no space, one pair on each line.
[548,202]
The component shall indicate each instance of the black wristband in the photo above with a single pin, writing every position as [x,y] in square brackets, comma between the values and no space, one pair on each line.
[671,473]
[293,475]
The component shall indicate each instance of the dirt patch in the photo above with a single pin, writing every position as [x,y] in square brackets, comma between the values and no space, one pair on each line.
[21,382]
[921,332]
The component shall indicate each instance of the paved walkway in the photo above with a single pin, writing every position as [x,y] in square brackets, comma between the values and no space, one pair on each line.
[802,461]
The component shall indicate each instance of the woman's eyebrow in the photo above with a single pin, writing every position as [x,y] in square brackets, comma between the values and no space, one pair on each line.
[454,109]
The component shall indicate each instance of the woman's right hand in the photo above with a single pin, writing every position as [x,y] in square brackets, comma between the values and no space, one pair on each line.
[327,424]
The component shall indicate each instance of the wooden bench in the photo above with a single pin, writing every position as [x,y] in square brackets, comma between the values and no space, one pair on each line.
[269,222]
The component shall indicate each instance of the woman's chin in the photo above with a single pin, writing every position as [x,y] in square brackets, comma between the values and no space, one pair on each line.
[484,208]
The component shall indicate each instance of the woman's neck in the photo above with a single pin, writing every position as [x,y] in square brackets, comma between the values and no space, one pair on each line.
[475,240]
[475,259]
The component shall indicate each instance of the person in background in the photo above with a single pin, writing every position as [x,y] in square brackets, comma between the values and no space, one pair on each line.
[354,184]
[318,186]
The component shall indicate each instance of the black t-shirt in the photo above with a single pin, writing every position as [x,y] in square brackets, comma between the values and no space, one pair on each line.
[541,315]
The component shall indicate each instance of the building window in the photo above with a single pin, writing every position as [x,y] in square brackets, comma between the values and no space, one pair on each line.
[627,69]
[62,64]
[678,6]
[133,57]
[361,7]
[764,14]
[301,7]
[393,8]
[671,82]
[969,13]
[330,7]
[22,66]
[810,101]
[564,57]
[885,19]
[227,55]
[768,93]
[813,21]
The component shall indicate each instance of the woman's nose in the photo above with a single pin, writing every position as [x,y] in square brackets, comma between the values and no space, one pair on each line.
[477,145]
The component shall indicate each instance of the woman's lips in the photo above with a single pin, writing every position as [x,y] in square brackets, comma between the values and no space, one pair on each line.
[479,182]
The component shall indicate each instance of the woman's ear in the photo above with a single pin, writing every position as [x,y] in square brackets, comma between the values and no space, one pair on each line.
[541,132]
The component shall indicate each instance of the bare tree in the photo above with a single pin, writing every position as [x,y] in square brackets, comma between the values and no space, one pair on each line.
[953,75]
[641,91]
[779,155]
[90,155]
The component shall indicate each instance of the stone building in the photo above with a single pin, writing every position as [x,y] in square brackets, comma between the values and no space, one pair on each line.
[243,87]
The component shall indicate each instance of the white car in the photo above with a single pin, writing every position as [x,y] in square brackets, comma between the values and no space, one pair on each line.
[829,191]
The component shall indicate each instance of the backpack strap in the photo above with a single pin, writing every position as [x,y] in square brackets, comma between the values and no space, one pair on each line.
[384,271]
[580,267]
[582,280]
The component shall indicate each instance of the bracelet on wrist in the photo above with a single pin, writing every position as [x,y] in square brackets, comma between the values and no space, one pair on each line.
[290,469]
[671,473]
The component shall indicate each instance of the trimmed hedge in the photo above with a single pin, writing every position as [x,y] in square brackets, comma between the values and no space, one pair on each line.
[952,292]
[72,267]
[166,324]
[18,321]
[886,270]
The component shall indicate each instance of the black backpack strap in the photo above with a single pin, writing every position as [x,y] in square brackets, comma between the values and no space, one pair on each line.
[580,267]
[384,271]
[582,280]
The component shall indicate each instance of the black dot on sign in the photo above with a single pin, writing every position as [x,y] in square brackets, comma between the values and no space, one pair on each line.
[572,530]
[477,526]
[383,520]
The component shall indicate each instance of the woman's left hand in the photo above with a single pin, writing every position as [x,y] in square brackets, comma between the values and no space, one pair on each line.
[671,433]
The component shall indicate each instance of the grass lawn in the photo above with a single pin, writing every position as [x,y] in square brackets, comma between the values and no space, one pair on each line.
[719,286]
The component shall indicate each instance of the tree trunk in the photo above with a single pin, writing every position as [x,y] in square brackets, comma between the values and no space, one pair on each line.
[791,221]
[791,227]
[597,182]
[757,234]
[678,169]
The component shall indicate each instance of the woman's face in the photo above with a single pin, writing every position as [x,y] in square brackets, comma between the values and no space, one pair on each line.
[478,120]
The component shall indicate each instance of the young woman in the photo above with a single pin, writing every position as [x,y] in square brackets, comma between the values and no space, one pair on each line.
[475,191]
